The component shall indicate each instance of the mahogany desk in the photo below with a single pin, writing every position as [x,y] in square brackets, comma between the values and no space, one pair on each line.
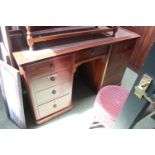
[48,71]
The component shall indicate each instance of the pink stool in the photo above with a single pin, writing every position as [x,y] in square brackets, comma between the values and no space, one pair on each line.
[108,104]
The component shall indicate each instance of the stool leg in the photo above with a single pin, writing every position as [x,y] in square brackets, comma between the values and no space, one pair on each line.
[96,124]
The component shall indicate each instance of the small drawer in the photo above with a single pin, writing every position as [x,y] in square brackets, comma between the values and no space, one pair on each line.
[52,93]
[124,46]
[129,45]
[51,80]
[90,53]
[54,106]
[47,67]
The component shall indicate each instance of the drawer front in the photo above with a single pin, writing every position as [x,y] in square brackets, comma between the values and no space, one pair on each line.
[47,67]
[124,46]
[90,53]
[54,106]
[51,80]
[52,93]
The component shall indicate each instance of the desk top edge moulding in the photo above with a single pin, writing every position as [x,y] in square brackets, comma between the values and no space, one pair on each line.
[117,34]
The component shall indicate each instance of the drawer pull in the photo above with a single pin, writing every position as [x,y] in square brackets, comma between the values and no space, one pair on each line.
[92,52]
[52,78]
[52,66]
[54,105]
[53,91]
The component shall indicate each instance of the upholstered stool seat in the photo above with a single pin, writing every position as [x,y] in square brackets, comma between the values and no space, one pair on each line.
[108,104]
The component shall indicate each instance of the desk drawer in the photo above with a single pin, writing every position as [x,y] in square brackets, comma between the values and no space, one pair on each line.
[90,53]
[54,106]
[52,93]
[47,67]
[51,80]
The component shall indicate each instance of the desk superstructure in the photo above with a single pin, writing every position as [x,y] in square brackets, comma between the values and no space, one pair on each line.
[48,71]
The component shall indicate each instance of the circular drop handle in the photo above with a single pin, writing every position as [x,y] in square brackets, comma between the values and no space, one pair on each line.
[52,78]
[92,52]
[52,66]
[54,105]
[53,91]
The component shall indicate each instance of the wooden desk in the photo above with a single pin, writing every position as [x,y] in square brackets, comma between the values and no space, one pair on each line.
[48,71]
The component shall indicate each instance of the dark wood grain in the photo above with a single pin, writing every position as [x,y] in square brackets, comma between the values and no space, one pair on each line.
[143,45]
[118,62]
[86,54]
[92,72]
[80,31]
[71,34]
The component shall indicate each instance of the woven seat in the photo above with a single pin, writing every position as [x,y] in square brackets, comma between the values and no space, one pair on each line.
[108,104]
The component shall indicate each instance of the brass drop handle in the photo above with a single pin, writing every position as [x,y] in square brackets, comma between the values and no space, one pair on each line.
[54,105]
[52,66]
[52,78]
[92,52]
[53,91]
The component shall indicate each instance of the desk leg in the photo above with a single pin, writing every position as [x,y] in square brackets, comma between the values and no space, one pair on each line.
[106,66]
